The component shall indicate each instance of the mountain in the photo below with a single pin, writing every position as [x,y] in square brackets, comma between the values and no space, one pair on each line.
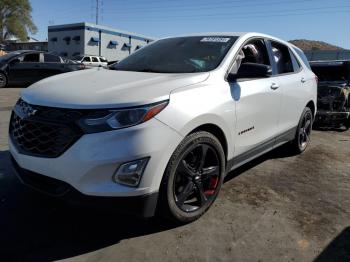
[307,45]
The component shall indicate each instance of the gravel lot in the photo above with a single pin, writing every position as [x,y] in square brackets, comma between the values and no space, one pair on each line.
[278,208]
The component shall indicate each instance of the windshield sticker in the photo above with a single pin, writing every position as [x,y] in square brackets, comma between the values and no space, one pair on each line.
[215,39]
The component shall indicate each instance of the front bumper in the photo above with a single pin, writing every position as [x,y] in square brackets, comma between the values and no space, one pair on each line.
[330,118]
[89,164]
[144,206]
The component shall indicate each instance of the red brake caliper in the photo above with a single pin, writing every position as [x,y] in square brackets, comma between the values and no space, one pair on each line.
[212,186]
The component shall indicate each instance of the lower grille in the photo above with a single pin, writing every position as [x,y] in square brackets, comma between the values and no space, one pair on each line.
[44,134]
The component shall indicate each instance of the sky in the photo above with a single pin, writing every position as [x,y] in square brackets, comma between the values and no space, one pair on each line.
[324,20]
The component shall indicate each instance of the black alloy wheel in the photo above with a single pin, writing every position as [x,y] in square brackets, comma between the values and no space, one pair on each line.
[3,80]
[197,178]
[193,178]
[305,130]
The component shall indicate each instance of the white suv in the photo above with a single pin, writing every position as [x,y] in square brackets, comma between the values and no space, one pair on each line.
[92,61]
[160,131]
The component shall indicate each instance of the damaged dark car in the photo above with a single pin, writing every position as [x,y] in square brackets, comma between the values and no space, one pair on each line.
[333,98]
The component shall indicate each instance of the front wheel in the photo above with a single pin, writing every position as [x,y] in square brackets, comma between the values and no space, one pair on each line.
[347,123]
[302,136]
[193,178]
[3,80]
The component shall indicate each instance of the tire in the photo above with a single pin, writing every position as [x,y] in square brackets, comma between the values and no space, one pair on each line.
[3,80]
[302,136]
[347,123]
[188,175]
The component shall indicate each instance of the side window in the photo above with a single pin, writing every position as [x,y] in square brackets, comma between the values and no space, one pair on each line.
[282,58]
[295,62]
[31,58]
[51,58]
[255,52]
[87,59]
[94,59]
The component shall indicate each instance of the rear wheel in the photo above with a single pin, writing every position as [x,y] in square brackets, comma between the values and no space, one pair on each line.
[3,80]
[193,178]
[302,136]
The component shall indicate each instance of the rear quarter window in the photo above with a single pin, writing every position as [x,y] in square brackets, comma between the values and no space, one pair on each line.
[48,58]
[302,57]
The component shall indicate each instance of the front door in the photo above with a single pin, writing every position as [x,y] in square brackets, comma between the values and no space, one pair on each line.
[258,102]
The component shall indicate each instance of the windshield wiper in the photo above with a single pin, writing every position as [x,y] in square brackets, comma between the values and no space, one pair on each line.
[148,70]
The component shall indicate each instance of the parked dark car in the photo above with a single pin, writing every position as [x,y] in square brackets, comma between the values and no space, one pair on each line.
[26,67]
[333,99]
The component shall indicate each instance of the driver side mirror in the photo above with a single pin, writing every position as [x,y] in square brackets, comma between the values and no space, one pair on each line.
[15,61]
[251,71]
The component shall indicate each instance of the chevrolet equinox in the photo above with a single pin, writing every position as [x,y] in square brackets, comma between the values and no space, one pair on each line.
[158,132]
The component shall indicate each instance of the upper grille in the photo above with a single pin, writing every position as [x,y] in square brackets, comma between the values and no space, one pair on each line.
[43,131]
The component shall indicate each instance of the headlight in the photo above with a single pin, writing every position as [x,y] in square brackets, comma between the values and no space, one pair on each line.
[105,120]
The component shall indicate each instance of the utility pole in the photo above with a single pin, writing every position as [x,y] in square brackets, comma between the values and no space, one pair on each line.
[97,10]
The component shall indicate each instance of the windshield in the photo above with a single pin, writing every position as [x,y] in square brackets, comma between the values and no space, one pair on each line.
[331,73]
[8,56]
[179,55]
[102,59]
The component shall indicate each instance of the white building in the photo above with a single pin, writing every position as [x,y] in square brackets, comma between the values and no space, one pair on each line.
[90,39]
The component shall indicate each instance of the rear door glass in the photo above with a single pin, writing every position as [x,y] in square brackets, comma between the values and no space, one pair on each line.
[282,58]
[31,58]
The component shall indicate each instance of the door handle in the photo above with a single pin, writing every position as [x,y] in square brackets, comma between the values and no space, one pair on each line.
[303,80]
[274,86]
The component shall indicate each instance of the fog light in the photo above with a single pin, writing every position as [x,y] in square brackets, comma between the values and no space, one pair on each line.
[130,173]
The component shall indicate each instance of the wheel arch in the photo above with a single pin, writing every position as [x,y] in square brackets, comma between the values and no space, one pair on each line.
[217,132]
[312,106]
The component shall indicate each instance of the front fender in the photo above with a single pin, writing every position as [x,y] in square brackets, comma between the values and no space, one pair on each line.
[194,107]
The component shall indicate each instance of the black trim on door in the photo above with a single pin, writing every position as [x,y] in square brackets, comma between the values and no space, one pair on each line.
[260,149]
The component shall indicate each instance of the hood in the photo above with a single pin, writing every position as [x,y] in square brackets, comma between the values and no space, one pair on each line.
[338,83]
[103,88]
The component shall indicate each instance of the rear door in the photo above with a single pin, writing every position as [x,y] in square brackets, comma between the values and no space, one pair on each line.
[26,71]
[258,102]
[291,78]
[51,65]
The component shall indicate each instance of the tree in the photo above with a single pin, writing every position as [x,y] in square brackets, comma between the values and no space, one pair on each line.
[16,19]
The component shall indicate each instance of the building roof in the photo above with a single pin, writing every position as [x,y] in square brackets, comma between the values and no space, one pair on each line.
[94,27]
